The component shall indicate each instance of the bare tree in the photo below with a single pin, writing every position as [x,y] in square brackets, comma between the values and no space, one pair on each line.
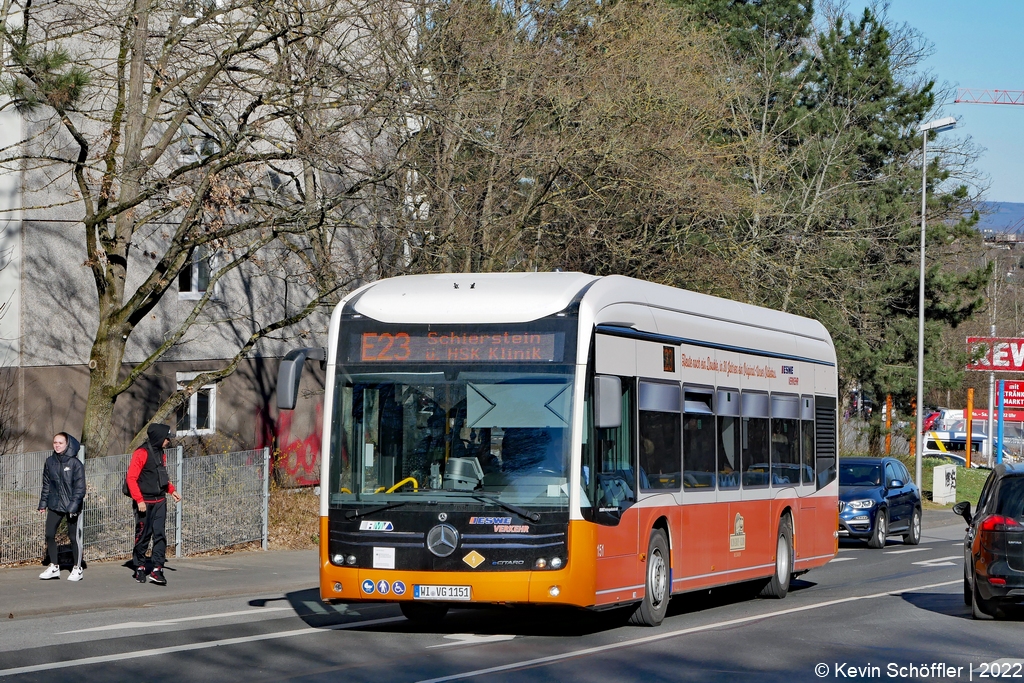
[572,134]
[243,134]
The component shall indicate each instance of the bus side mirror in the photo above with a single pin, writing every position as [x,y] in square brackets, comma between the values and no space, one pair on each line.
[607,402]
[290,372]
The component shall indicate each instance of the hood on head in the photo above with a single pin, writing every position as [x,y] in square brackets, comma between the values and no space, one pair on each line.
[73,447]
[157,433]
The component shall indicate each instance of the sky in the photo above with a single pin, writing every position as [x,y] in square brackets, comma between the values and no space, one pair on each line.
[976,45]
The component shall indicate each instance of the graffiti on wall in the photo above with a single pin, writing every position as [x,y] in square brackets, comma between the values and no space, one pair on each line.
[296,459]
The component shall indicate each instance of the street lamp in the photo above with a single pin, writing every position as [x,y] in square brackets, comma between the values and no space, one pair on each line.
[938,125]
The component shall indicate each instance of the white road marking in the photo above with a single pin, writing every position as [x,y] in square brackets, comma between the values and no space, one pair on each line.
[170,622]
[940,561]
[471,639]
[193,646]
[905,550]
[673,634]
[842,559]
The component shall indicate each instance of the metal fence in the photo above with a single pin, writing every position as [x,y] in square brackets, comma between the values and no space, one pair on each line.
[225,502]
[854,439]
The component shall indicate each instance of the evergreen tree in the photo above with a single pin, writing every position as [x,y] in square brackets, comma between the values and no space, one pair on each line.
[876,336]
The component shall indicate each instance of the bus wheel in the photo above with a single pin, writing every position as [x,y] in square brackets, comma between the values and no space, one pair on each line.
[778,585]
[652,610]
[423,612]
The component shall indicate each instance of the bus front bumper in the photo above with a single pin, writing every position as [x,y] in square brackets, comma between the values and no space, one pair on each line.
[572,585]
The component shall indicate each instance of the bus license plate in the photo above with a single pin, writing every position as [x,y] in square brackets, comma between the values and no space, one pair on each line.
[440,592]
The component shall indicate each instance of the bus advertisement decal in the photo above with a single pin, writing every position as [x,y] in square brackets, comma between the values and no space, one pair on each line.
[738,539]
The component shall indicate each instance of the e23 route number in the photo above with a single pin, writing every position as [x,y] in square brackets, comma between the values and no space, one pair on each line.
[385,346]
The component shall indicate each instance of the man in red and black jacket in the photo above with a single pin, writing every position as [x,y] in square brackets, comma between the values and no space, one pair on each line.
[148,484]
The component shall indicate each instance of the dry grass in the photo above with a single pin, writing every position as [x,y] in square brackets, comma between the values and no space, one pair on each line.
[294,519]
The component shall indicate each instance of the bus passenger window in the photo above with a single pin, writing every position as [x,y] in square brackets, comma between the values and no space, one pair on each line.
[807,440]
[659,436]
[728,453]
[698,442]
[755,439]
[728,410]
[785,440]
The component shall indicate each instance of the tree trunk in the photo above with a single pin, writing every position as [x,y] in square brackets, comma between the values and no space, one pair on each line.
[104,373]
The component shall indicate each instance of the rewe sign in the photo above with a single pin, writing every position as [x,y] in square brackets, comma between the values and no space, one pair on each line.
[1013,394]
[995,354]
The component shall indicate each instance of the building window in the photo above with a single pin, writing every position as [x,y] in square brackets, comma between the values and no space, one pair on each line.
[194,278]
[197,415]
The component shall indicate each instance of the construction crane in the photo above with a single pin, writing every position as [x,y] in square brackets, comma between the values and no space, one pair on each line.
[979,96]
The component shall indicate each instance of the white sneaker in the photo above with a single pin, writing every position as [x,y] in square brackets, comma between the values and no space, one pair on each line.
[52,572]
[76,574]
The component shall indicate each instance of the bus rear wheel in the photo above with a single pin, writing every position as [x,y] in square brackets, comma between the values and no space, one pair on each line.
[658,592]
[778,585]
[425,613]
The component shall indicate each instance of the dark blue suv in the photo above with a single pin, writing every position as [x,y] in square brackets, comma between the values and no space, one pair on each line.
[994,545]
[878,500]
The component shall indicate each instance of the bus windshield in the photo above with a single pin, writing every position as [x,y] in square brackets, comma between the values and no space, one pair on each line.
[472,435]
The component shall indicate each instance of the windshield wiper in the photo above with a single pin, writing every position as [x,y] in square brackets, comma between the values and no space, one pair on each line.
[526,514]
[356,514]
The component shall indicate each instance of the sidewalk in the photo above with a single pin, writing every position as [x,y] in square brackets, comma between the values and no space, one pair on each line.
[109,584]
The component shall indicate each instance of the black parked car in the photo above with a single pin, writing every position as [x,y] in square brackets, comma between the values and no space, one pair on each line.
[994,545]
[878,500]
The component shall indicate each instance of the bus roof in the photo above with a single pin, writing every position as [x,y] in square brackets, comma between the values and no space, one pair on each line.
[466,298]
[459,298]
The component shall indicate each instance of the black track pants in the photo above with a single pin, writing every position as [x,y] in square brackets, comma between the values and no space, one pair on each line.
[74,532]
[150,524]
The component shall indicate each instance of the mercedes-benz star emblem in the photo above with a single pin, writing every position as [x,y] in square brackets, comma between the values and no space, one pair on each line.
[442,540]
[443,517]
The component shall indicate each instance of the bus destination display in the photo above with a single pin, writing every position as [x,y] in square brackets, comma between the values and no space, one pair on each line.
[456,347]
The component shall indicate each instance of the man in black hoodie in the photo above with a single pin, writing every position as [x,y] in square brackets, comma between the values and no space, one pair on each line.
[149,485]
[62,497]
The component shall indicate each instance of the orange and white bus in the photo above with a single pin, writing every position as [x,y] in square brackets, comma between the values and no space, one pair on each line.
[560,438]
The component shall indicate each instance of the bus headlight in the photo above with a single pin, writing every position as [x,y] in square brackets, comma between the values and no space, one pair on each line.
[541,563]
[554,591]
[556,563]
[350,560]
[339,559]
